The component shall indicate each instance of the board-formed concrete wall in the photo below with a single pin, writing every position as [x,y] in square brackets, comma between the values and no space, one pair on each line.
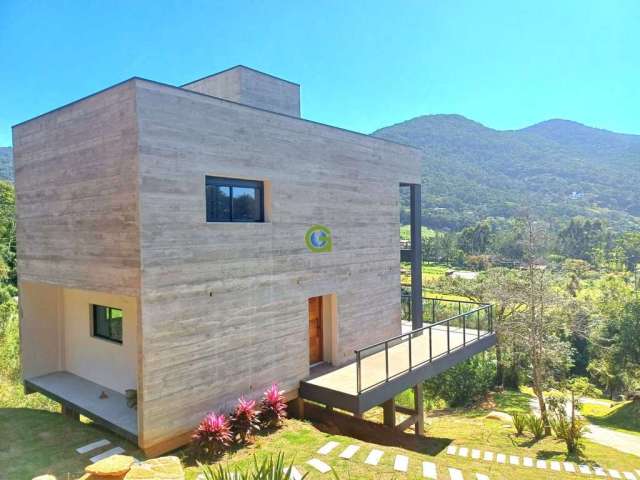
[250,87]
[76,195]
[223,305]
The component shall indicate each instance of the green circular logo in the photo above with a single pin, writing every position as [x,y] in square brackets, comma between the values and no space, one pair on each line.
[318,239]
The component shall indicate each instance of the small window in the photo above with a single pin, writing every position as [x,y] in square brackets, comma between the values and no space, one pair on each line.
[234,200]
[107,323]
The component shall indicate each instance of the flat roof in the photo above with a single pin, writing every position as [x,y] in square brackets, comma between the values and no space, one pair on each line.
[220,99]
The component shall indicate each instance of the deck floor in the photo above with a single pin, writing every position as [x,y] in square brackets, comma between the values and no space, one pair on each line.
[84,395]
[373,367]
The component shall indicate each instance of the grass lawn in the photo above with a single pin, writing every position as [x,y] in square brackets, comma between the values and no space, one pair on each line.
[624,416]
[42,440]
[36,439]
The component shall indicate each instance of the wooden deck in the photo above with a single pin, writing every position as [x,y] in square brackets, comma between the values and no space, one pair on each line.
[339,386]
[83,396]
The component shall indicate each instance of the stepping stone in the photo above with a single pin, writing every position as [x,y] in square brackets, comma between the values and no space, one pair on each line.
[614,474]
[401,463]
[541,464]
[475,454]
[569,467]
[527,461]
[629,476]
[514,460]
[488,456]
[295,474]
[108,453]
[556,466]
[326,450]
[463,452]
[350,451]
[429,470]
[452,449]
[599,471]
[319,465]
[481,476]
[501,458]
[374,457]
[584,469]
[455,474]
[92,446]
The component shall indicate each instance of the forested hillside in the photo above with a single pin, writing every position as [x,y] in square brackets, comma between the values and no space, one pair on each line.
[556,169]
[6,163]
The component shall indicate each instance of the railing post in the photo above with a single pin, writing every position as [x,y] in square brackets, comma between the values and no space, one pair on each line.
[386,360]
[448,336]
[478,321]
[410,355]
[464,329]
[491,318]
[430,346]
[433,310]
[358,380]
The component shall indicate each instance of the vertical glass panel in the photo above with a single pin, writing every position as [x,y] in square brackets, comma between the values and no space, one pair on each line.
[115,324]
[245,204]
[100,321]
[218,203]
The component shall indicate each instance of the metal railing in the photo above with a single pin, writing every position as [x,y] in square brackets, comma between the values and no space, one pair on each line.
[435,309]
[383,361]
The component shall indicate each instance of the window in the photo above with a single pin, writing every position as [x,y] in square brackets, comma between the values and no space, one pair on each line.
[233,200]
[107,323]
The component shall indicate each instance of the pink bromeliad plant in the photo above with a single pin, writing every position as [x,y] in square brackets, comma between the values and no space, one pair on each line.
[273,407]
[212,436]
[244,420]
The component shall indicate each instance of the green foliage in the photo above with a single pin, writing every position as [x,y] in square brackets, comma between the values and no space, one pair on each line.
[572,431]
[9,341]
[266,468]
[535,425]
[464,383]
[519,422]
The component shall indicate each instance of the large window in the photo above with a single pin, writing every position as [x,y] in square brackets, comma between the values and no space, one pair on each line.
[234,200]
[107,323]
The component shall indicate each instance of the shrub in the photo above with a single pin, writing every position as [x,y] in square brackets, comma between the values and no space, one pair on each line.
[465,382]
[519,422]
[535,425]
[572,432]
[273,408]
[212,436]
[244,420]
[265,469]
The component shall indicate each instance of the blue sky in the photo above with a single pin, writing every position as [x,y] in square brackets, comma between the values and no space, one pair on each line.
[362,65]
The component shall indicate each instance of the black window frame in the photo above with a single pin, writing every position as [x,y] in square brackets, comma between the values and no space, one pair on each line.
[230,183]
[94,320]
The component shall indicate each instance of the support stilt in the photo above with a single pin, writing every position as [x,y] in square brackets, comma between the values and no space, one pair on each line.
[418,395]
[389,409]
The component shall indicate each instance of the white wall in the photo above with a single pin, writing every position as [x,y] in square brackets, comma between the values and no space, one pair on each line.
[101,361]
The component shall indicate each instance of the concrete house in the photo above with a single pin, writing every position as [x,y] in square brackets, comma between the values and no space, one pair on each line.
[192,244]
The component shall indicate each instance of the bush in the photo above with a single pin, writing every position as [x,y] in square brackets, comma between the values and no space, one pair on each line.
[460,385]
[212,436]
[273,408]
[244,420]
[519,422]
[535,425]
[9,341]
[572,432]
[265,469]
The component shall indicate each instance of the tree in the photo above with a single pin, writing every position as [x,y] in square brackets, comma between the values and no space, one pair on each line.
[581,237]
[540,327]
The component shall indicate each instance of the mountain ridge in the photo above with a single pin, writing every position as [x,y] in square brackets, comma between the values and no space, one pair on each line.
[556,168]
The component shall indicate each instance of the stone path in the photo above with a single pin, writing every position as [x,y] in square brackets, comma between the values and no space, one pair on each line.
[319,465]
[554,465]
[108,453]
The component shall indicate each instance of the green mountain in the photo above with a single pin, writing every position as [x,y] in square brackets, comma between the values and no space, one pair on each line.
[6,163]
[556,169]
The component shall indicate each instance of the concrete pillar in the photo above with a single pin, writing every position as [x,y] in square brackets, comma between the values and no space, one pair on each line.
[68,412]
[389,409]
[418,394]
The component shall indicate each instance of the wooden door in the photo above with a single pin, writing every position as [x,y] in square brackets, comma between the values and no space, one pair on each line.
[315,330]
